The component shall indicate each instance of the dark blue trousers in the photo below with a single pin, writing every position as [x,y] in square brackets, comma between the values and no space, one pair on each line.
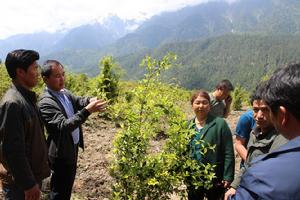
[12,191]
[62,179]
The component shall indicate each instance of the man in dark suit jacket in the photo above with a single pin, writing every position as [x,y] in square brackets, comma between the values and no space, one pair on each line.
[276,175]
[63,113]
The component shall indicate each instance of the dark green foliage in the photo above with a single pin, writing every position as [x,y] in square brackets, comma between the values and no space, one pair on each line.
[243,59]
[110,77]
[237,98]
[106,84]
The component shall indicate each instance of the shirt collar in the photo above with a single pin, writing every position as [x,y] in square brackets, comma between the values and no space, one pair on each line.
[57,93]
[259,134]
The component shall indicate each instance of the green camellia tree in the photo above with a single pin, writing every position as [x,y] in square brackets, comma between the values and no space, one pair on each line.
[240,98]
[237,98]
[106,84]
[141,172]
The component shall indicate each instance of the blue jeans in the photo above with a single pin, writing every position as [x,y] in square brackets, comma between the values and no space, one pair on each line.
[12,192]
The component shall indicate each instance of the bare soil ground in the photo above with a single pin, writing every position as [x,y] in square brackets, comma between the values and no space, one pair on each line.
[93,181]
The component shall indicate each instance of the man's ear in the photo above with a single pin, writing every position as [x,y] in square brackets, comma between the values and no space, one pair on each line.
[20,72]
[283,115]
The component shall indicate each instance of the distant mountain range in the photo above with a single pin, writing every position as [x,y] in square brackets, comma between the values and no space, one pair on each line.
[215,30]
[92,36]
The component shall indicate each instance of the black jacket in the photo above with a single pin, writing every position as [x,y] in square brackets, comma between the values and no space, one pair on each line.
[23,145]
[59,127]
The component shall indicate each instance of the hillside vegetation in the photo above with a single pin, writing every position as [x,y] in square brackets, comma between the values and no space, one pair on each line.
[244,59]
[242,41]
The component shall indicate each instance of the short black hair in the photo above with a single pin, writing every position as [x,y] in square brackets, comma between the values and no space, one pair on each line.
[257,94]
[20,58]
[47,67]
[225,84]
[283,89]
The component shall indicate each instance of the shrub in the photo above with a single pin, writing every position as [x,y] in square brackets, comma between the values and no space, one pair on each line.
[139,171]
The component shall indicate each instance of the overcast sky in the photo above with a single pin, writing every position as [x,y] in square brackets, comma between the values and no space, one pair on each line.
[27,16]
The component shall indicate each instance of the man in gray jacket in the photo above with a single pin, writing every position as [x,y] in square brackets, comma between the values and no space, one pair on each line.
[276,174]
[63,113]
[263,138]
[23,146]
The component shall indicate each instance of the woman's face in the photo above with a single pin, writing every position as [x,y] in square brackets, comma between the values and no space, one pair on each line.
[201,106]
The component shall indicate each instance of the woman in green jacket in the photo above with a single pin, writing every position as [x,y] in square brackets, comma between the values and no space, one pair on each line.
[214,131]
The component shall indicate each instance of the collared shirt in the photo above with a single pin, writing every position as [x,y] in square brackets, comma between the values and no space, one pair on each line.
[67,104]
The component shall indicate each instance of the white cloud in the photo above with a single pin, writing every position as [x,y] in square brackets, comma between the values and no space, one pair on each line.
[26,16]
